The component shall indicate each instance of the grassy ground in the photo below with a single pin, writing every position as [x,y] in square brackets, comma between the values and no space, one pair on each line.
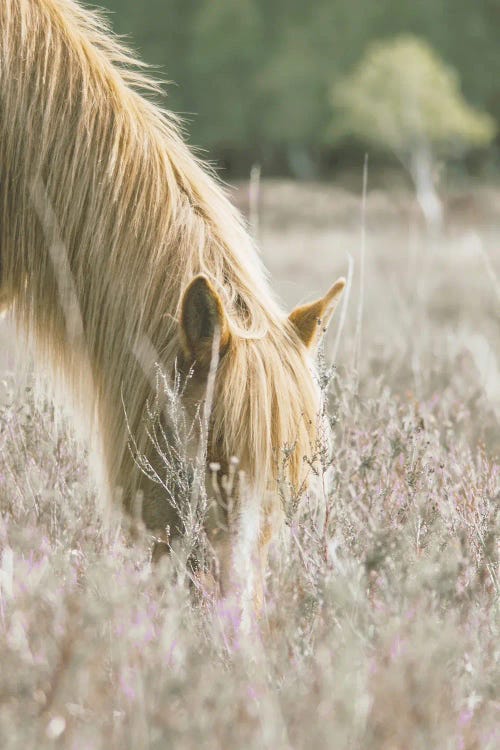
[381,621]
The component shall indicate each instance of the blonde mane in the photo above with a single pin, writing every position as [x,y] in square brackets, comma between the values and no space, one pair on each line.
[91,167]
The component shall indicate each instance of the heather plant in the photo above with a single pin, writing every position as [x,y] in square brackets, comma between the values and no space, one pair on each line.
[379,627]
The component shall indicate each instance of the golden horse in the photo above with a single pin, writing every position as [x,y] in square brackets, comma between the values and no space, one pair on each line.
[120,252]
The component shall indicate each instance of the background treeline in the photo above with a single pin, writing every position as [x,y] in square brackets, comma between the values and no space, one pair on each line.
[253,78]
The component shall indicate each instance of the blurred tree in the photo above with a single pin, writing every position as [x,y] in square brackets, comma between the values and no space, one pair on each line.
[310,44]
[253,77]
[464,33]
[225,53]
[402,97]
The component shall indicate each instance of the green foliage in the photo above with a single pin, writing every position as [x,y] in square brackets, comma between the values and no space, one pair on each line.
[225,44]
[401,96]
[253,77]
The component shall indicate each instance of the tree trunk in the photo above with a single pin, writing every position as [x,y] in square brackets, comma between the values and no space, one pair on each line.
[422,172]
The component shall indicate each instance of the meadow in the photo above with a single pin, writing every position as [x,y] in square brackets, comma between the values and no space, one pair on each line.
[380,628]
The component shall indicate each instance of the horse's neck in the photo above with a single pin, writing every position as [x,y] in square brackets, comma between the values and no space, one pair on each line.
[113,170]
[103,205]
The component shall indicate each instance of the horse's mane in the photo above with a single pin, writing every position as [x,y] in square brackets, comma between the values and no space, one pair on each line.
[138,217]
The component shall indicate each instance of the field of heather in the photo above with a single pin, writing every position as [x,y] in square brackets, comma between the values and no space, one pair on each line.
[380,628]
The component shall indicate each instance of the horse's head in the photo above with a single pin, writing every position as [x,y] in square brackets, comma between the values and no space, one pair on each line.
[266,401]
[256,369]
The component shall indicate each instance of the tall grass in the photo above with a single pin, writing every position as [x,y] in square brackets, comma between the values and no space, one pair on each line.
[380,625]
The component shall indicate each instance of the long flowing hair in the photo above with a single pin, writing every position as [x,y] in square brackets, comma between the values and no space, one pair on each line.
[102,204]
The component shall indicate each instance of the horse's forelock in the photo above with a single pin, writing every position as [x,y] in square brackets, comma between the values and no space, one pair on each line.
[267,406]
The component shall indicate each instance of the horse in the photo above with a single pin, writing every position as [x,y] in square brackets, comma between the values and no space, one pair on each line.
[120,251]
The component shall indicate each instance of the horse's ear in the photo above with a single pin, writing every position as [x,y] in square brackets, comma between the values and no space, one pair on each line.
[203,318]
[311,321]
